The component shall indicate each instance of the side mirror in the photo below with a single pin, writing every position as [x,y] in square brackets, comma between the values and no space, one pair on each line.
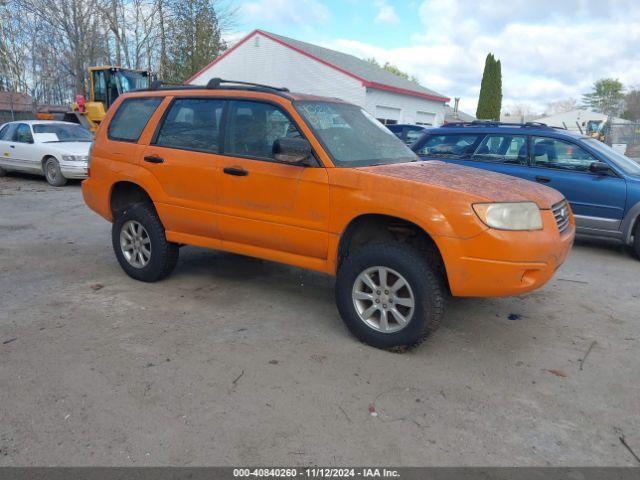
[294,151]
[599,168]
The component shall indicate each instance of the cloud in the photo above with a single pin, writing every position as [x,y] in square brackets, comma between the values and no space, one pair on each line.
[550,50]
[284,12]
[386,14]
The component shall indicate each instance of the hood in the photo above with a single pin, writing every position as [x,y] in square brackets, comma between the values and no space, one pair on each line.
[487,186]
[70,148]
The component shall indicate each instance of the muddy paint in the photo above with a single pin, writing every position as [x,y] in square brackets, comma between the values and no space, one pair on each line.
[491,186]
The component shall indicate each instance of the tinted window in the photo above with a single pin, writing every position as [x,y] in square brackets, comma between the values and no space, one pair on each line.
[253,127]
[553,153]
[502,149]
[131,118]
[448,145]
[23,134]
[192,124]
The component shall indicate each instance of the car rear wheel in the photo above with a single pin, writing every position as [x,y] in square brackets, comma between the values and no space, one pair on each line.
[389,296]
[53,174]
[141,246]
[3,172]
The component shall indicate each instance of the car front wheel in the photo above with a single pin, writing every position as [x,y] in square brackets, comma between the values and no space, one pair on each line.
[389,296]
[141,246]
[53,174]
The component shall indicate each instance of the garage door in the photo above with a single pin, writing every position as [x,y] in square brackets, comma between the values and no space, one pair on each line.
[387,115]
[425,118]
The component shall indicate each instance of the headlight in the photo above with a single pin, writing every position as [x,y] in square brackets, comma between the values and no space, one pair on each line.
[75,158]
[510,216]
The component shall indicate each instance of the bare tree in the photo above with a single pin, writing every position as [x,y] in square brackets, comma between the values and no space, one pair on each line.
[561,106]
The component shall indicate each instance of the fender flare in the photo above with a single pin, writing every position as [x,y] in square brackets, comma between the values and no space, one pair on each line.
[629,221]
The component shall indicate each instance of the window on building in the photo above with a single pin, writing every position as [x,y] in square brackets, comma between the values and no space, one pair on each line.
[387,121]
[192,124]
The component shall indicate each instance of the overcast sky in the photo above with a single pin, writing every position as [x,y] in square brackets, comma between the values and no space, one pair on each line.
[550,50]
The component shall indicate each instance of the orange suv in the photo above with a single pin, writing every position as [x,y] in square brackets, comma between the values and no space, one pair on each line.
[320,184]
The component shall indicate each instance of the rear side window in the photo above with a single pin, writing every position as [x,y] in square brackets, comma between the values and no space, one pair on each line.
[129,121]
[413,134]
[502,149]
[192,124]
[450,145]
[254,126]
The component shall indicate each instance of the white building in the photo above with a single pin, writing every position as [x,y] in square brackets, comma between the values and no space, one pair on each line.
[578,119]
[271,59]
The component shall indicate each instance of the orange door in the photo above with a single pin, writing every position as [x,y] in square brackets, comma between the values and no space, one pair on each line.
[182,158]
[264,203]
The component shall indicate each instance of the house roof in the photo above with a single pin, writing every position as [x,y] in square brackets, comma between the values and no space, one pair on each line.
[369,74]
[18,102]
[450,116]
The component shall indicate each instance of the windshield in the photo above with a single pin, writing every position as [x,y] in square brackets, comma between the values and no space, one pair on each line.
[129,81]
[352,137]
[62,132]
[625,164]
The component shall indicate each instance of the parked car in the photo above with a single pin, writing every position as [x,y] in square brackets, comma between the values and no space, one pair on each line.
[320,184]
[602,185]
[406,132]
[57,150]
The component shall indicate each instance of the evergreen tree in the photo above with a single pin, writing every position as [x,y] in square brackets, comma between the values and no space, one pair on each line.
[490,101]
[194,40]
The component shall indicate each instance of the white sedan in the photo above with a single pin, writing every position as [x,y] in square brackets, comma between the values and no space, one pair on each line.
[57,150]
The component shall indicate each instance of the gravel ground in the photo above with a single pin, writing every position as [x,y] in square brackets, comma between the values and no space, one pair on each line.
[236,361]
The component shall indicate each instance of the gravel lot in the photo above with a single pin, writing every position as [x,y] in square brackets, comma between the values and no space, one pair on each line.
[236,361]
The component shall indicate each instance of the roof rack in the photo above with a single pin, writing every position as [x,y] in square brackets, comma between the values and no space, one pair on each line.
[491,123]
[215,83]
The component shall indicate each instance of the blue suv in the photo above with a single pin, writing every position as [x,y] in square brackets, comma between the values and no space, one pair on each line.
[602,185]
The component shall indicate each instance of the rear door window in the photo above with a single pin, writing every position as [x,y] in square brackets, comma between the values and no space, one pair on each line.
[561,155]
[131,118]
[192,124]
[450,145]
[502,149]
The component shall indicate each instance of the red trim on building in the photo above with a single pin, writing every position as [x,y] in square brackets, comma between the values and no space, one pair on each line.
[365,83]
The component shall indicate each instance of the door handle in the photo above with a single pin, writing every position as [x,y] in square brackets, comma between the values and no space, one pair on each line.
[12,146]
[543,179]
[236,171]
[153,159]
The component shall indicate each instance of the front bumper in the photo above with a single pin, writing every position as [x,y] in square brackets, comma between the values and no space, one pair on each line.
[500,263]
[74,170]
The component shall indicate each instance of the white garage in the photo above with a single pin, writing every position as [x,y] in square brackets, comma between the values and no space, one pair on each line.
[271,59]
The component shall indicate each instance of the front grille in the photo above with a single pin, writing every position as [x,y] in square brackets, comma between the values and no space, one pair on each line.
[561,213]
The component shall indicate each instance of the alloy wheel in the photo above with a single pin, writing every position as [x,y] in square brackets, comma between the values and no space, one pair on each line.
[383,299]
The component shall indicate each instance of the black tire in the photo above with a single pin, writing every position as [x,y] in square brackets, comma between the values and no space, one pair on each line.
[3,172]
[164,254]
[427,289]
[636,240]
[52,173]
